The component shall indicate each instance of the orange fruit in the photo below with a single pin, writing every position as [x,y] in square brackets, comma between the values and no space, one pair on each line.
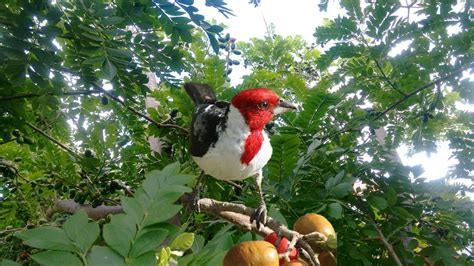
[252,253]
[312,222]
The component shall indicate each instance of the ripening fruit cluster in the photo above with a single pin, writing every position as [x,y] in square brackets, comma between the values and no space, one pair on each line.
[266,253]
[20,138]
[227,44]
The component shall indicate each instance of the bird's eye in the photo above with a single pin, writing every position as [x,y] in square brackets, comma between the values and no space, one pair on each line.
[263,105]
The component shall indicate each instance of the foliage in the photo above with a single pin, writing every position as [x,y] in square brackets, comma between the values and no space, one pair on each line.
[80,118]
[134,237]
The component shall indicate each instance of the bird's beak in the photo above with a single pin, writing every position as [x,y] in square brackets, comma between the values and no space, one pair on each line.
[283,107]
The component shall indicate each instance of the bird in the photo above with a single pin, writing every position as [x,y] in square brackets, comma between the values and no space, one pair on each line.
[228,139]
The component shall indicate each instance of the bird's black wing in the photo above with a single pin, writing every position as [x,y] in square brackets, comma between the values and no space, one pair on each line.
[208,121]
[200,93]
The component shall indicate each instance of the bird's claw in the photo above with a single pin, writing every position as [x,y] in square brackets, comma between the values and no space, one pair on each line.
[259,216]
[193,203]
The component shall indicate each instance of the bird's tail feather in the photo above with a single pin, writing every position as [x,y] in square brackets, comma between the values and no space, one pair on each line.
[200,93]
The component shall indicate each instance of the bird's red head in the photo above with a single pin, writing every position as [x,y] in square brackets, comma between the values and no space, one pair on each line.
[259,105]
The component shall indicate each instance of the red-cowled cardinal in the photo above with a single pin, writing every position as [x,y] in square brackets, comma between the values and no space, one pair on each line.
[228,140]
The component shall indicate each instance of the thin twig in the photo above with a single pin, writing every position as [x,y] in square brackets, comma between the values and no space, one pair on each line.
[66,148]
[140,114]
[32,94]
[6,231]
[434,82]
[384,240]
[387,79]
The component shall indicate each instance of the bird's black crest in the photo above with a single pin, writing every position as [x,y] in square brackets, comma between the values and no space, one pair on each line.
[200,93]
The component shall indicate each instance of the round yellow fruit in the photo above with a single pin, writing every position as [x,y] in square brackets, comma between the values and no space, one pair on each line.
[312,222]
[252,253]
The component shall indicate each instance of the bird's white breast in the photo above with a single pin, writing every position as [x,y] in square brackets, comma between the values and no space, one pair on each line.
[222,160]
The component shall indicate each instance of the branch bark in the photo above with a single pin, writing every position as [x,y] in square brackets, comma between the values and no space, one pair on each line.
[70,206]
[384,240]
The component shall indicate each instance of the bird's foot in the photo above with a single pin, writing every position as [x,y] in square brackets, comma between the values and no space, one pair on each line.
[194,196]
[259,215]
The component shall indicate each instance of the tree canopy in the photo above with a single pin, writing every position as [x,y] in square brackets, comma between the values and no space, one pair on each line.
[93,115]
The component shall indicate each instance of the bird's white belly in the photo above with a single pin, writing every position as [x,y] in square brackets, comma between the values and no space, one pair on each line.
[222,161]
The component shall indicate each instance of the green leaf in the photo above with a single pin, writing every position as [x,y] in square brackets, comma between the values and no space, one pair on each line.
[215,29]
[93,37]
[112,20]
[119,233]
[109,69]
[378,202]
[315,106]
[412,244]
[331,182]
[100,256]
[186,2]
[214,43]
[284,157]
[46,237]
[80,231]
[315,144]
[171,170]
[89,29]
[341,190]
[276,214]
[53,258]
[335,210]
[198,243]
[401,212]
[133,208]
[119,53]
[148,240]
[6,262]
[94,60]
[391,196]
[182,242]
[160,212]
[145,259]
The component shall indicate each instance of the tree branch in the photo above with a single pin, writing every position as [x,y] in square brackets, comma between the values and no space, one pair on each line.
[66,148]
[387,79]
[236,214]
[32,94]
[437,81]
[98,90]
[239,215]
[142,115]
[384,240]
[70,206]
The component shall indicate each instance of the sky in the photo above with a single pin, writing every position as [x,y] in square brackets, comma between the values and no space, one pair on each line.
[301,17]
